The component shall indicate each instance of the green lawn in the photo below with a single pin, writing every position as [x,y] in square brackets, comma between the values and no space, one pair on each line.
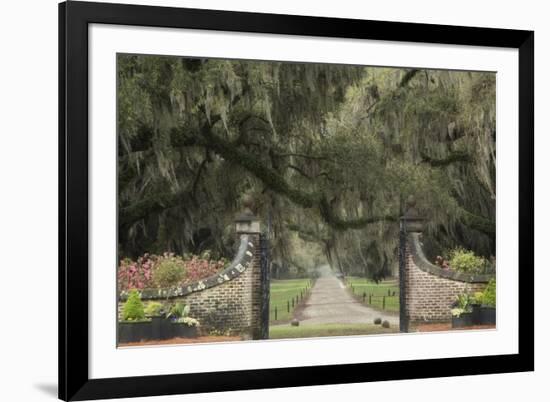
[377,290]
[311,331]
[282,292]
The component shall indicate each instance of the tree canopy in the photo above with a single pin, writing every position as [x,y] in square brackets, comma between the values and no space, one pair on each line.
[328,152]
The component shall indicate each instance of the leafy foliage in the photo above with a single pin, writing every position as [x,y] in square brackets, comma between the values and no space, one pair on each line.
[329,152]
[466,261]
[169,272]
[478,298]
[489,297]
[153,309]
[133,308]
[178,310]
[463,304]
[179,313]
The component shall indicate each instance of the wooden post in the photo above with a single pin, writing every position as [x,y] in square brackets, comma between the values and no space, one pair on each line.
[383,302]
[275,313]
[287,306]
[370,299]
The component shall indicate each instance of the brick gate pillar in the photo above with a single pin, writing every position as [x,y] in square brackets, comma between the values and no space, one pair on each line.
[247,224]
[410,222]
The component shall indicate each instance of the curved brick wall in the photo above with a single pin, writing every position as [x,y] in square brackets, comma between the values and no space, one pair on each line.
[229,300]
[432,290]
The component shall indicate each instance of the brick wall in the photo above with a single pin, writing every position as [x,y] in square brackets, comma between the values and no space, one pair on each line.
[428,297]
[427,291]
[234,304]
[229,301]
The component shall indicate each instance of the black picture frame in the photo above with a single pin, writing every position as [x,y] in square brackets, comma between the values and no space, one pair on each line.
[74,18]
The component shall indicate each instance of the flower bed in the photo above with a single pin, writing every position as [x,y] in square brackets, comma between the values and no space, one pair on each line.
[152,271]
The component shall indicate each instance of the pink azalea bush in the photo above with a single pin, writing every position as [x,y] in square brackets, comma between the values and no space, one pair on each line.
[199,268]
[139,274]
[136,274]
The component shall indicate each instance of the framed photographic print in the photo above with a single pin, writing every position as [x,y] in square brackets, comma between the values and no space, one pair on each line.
[257,201]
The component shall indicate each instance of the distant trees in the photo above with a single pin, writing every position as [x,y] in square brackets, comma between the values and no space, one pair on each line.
[329,152]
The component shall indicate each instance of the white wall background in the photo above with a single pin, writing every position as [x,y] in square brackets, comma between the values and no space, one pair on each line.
[28,197]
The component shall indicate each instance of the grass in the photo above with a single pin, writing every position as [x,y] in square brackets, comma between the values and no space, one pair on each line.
[282,292]
[311,331]
[377,290]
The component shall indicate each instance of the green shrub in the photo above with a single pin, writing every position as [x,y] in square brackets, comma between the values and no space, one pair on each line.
[133,308]
[478,298]
[169,273]
[153,309]
[178,310]
[466,261]
[463,304]
[464,301]
[489,297]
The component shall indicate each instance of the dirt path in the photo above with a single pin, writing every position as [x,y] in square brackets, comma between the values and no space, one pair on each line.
[181,341]
[330,303]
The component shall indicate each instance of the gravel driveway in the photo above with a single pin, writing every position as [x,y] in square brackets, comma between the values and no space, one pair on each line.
[330,303]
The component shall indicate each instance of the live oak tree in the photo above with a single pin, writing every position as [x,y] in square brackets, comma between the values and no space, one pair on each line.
[328,152]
